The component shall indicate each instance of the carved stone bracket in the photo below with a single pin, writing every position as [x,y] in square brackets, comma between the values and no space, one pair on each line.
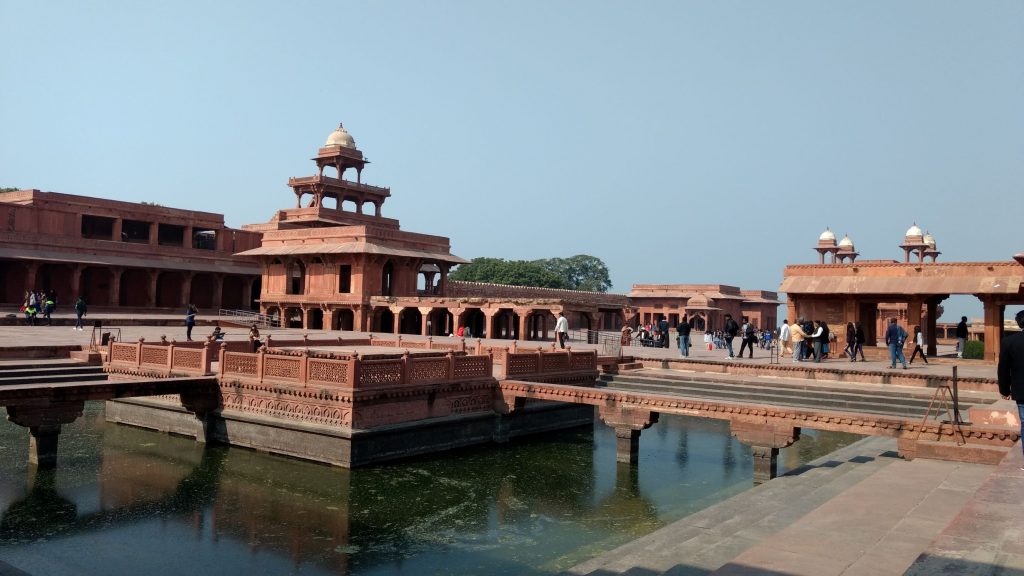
[44,422]
[628,423]
[764,440]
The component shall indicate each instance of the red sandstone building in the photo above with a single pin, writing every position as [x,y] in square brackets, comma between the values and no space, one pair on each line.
[121,254]
[703,305]
[858,290]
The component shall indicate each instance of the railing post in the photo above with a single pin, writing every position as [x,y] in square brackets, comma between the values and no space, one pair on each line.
[405,367]
[170,357]
[221,352]
[540,361]
[303,365]
[462,344]
[451,366]
[138,352]
[260,354]
[430,342]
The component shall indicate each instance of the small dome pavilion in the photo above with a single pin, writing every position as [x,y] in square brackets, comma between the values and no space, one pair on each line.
[826,245]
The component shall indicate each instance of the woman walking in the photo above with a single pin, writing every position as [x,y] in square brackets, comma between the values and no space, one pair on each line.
[851,340]
[859,339]
[918,345]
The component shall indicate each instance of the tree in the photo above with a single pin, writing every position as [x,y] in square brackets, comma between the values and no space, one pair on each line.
[580,272]
[2,190]
[510,272]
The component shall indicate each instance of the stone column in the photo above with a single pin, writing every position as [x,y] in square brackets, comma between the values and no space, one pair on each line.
[424,320]
[914,313]
[115,286]
[76,281]
[765,439]
[31,272]
[628,423]
[186,289]
[118,228]
[154,234]
[247,284]
[524,324]
[929,331]
[218,290]
[489,327]
[154,275]
[396,313]
[44,421]
[994,311]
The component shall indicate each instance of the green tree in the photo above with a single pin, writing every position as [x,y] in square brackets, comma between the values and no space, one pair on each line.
[2,190]
[510,272]
[580,272]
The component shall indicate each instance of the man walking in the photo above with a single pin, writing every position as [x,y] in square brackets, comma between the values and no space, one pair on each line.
[748,337]
[797,334]
[684,336]
[961,337]
[731,329]
[80,310]
[1011,369]
[895,336]
[784,339]
[663,329]
[562,329]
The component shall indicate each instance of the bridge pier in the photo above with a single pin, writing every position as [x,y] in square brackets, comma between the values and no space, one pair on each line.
[44,422]
[204,404]
[628,423]
[765,439]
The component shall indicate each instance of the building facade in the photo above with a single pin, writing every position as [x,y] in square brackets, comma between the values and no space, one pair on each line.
[122,254]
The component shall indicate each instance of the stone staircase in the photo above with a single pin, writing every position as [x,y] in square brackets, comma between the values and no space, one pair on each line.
[902,402]
[48,371]
[859,510]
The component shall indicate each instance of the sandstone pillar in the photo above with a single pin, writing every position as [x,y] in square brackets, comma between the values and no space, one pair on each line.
[524,324]
[151,288]
[765,439]
[44,422]
[115,286]
[247,284]
[490,329]
[31,272]
[929,331]
[76,281]
[994,311]
[628,423]
[914,314]
[218,290]
[186,289]
[425,326]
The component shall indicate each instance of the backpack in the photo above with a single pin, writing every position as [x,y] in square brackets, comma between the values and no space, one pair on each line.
[750,330]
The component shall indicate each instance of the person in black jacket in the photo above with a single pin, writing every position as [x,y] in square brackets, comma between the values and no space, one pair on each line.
[1011,369]
[961,337]
[684,336]
[861,338]
[731,328]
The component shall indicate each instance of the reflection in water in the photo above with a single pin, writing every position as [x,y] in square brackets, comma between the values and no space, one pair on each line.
[124,500]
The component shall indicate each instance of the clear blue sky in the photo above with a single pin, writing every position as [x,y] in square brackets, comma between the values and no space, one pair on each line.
[678,141]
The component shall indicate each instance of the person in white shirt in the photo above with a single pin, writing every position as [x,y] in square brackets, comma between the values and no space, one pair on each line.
[784,340]
[562,329]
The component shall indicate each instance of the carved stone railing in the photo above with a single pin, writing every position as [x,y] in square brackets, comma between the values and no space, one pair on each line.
[542,363]
[163,359]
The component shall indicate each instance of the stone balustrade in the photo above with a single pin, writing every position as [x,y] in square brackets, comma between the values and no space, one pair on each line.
[163,359]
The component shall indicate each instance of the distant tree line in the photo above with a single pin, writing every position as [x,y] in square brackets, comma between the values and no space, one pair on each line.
[2,190]
[580,272]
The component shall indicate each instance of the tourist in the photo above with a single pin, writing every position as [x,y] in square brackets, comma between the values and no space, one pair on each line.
[918,345]
[799,336]
[562,329]
[80,311]
[808,327]
[851,340]
[961,337]
[748,340]
[731,329]
[684,336]
[461,332]
[49,305]
[785,339]
[30,314]
[254,337]
[217,335]
[828,339]
[190,321]
[626,338]
[859,338]
[895,336]
[818,338]
[1011,369]
[663,327]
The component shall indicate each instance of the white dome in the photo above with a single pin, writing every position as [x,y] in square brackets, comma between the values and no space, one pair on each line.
[827,236]
[846,242]
[929,239]
[341,137]
[914,230]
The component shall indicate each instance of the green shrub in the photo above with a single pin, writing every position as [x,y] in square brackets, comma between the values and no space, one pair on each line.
[974,350]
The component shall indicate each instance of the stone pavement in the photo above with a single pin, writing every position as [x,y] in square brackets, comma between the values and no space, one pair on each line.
[858,511]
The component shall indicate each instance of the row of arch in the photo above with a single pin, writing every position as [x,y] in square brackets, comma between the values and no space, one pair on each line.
[505,323]
[131,287]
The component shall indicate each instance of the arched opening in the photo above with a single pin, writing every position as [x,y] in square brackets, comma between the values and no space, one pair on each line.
[410,321]
[383,320]
[369,207]
[273,314]
[201,291]
[293,318]
[425,279]
[96,284]
[12,281]
[257,287]
[168,291]
[440,322]
[505,325]
[316,319]
[349,205]
[344,319]
[297,278]
[134,288]
[345,278]
[231,293]
[387,278]
[329,202]
[474,320]
[55,278]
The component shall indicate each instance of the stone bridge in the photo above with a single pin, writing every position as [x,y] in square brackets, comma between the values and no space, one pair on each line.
[765,428]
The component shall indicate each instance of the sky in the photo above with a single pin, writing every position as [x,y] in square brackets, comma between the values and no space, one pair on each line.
[680,142]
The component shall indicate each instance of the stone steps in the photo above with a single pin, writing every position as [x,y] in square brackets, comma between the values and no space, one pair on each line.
[48,372]
[901,404]
[707,540]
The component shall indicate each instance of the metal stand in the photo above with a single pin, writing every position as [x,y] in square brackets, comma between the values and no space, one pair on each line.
[946,399]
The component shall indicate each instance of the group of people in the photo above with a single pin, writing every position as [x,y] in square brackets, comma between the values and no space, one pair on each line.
[44,303]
